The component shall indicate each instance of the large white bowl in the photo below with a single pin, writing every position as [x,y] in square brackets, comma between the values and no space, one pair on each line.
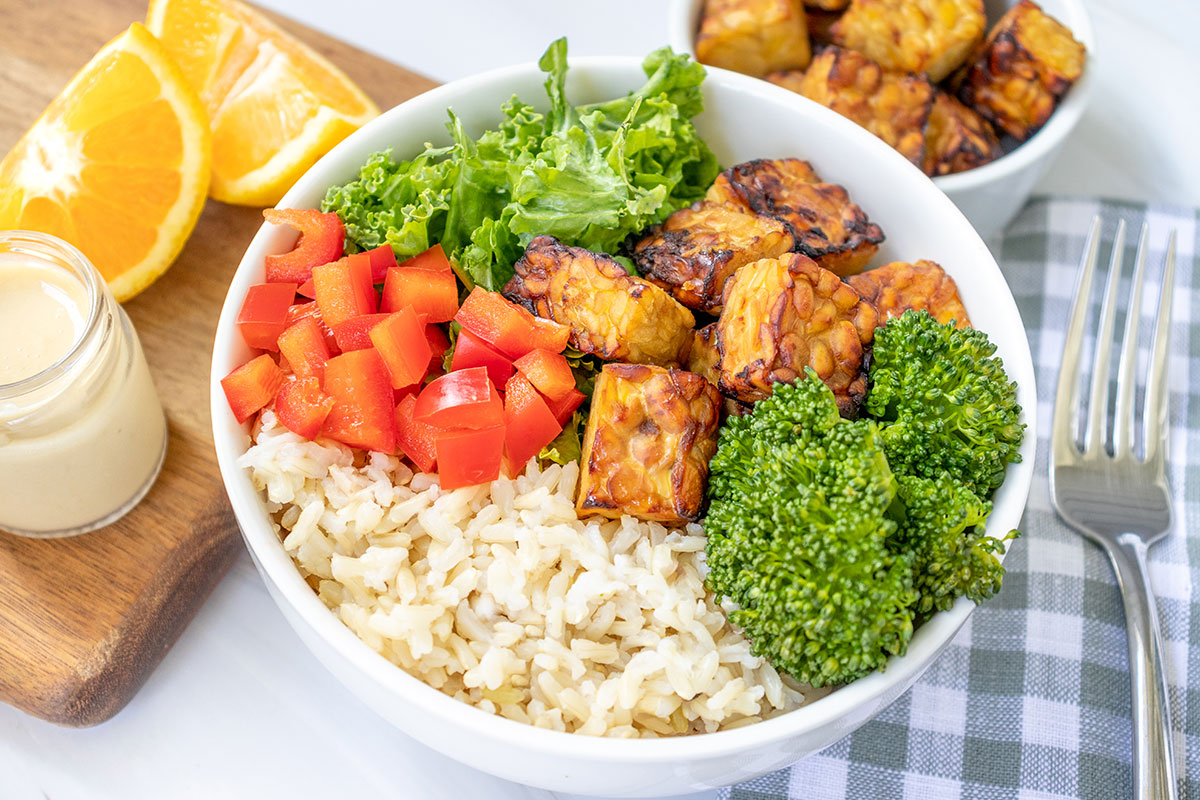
[745,118]
[990,195]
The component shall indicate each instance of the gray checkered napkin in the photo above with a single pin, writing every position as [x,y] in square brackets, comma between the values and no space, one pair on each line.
[1031,699]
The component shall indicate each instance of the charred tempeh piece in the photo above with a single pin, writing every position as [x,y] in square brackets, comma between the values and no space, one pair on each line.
[923,285]
[753,36]
[649,437]
[828,228]
[782,315]
[697,249]
[930,36]
[612,314]
[957,138]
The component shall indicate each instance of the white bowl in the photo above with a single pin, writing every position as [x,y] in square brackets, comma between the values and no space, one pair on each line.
[990,195]
[746,118]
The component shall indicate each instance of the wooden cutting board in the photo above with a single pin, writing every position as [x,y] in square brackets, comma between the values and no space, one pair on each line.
[84,621]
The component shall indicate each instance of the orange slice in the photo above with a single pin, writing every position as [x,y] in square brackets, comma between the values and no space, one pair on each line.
[117,164]
[275,105]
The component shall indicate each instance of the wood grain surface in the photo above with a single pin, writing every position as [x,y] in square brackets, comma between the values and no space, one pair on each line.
[84,621]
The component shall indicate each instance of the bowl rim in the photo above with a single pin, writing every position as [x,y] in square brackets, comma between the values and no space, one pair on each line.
[682,33]
[284,579]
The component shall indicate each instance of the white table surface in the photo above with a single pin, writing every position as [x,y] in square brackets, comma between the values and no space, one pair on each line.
[238,708]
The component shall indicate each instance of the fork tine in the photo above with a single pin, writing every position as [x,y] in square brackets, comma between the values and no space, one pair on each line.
[1093,434]
[1066,396]
[1157,392]
[1126,379]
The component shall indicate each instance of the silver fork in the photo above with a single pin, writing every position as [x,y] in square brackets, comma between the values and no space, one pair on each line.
[1120,501]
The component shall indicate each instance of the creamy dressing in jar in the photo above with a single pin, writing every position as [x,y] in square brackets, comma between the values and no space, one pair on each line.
[82,431]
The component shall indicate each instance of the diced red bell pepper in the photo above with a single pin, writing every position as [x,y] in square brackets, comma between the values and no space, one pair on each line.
[468,458]
[301,311]
[462,399]
[505,326]
[416,439]
[471,351]
[439,343]
[322,237]
[264,313]
[344,289]
[400,339]
[355,333]
[363,415]
[303,345]
[529,422]
[549,373]
[564,408]
[434,258]
[429,292]
[301,406]
[252,386]
[307,289]
[550,335]
[382,258]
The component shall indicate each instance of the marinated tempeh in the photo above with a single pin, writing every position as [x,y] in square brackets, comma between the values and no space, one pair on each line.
[649,437]
[957,138]
[899,286]
[930,36]
[697,249]
[611,314]
[893,106]
[782,315]
[753,36]
[1027,64]
[828,227]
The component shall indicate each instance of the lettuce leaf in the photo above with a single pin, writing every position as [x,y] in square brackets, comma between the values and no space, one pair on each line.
[589,175]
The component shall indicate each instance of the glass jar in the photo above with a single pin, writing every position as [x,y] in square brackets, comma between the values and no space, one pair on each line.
[82,431]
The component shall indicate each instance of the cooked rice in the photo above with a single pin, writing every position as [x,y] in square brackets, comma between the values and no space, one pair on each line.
[501,597]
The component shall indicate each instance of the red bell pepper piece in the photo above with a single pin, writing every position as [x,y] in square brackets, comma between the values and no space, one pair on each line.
[434,258]
[400,339]
[307,289]
[462,399]
[264,313]
[439,343]
[355,333]
[344,289]
[471,351]
[322,237]
[415,439]
[529,422]
[303,345]
[363,415]
[301,311]
[468,458]
[564,408]
[252,386]
[549,373]
[432,293]
[301,406]
[505,326]
[382,258]
[550,335]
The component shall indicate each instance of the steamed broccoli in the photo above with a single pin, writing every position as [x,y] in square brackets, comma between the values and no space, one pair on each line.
[943,402]
[798,536]
[941,523]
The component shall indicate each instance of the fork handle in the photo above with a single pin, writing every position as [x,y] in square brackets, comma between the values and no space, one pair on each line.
[1153,764]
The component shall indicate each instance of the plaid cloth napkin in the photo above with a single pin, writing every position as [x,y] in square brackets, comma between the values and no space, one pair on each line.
[1031,700]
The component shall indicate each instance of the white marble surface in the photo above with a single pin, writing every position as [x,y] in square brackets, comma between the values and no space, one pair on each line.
[239,708]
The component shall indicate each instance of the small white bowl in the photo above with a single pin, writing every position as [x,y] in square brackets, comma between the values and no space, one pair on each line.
[745,118]
[990,195]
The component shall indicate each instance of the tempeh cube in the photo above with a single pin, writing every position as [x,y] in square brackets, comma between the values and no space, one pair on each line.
[1027,64]
[753,36]
[899,286]
[649,437]
[893,106]
[930,36]
[957,138]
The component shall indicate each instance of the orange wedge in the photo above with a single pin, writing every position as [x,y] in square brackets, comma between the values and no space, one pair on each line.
[117,165]
[275,105]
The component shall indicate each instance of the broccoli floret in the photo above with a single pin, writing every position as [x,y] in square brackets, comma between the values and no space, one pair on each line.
[943,402]
[941,524]
[798,534]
